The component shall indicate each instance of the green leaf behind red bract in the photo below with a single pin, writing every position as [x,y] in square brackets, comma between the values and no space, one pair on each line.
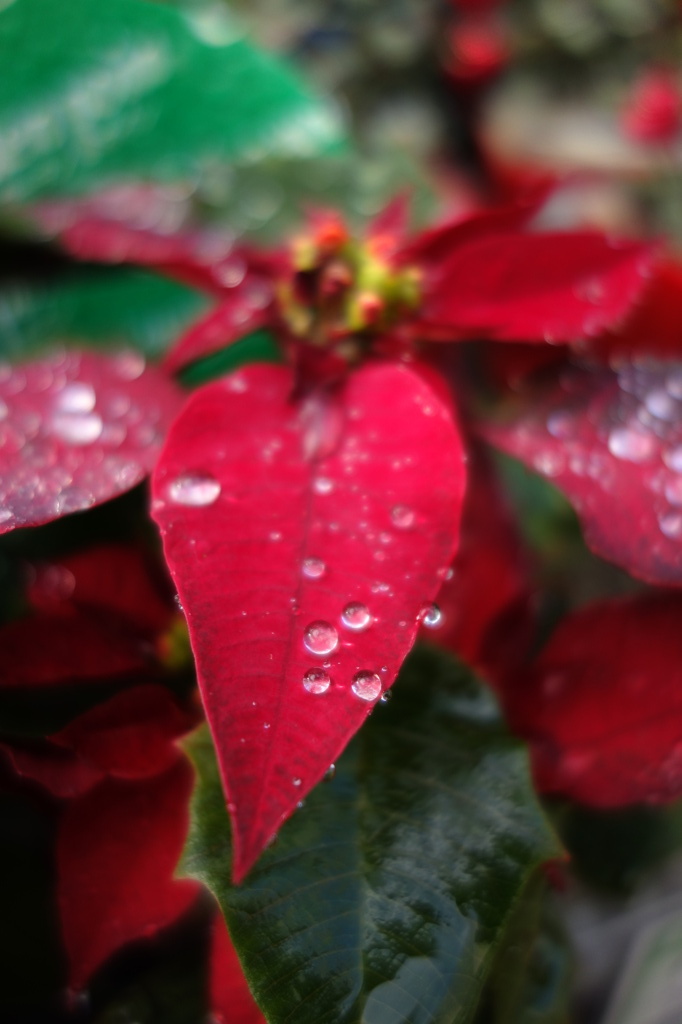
[277,515]
[602,708]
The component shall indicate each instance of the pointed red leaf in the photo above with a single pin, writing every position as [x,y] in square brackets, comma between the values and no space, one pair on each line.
[611,440]
[485,603]
[270,527]
[603,706]
[527,287]
[230,999]
[245,311]
[69,647]
[655,327]
[77,429]
[117,850]
[117,577]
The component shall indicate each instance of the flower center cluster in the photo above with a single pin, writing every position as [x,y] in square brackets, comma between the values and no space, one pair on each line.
[340,288]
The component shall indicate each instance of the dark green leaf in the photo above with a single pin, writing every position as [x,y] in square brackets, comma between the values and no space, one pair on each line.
[259,347]
[111,307]
[388,896]
[129,89]
[532,976]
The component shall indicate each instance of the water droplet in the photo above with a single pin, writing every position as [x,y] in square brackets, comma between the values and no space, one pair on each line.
[385,697]
[320,638]
[671,525]
[631,445]
[5,515]
[77,397]
[431,616]
[402,517]
[330,773]
[673,384]
[313,568]
[356,616]
[673,491]
[323,485]
[195,489]
[549,463]
[129,365]
[366,685]
[316,680]
[561,424]
[673,458]
[275,535]
[661,404]
[77,429]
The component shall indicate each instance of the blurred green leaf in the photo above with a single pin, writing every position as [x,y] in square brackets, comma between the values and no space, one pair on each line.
[387,898]
[128,89]
[109,307]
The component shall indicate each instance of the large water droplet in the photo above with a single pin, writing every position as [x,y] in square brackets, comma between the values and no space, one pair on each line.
[316,680]
[320,638]
[77,397]
[431,616]
[194,489]
[631,445]
[403,517]
[366,685]
[356,616]
[313,568]
[77,429]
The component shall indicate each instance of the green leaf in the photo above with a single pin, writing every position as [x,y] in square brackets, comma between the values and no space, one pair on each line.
[110,307]
[387,897]
[258,347]
[128,89]
[532,976]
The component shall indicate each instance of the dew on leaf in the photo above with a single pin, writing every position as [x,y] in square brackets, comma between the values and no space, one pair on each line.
[313,568]
[366,685]
[671,525]
[402,517]
[77,429]
[631,445]
[195,489]
[673,458]
[320,637]
[129,365]
[316,680]
[77,397]
[431,616]
[323,485]
[661,404]
[356,616]
[330,773]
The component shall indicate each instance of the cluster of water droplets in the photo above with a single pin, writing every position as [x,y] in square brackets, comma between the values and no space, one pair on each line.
[640,426]
[72,432]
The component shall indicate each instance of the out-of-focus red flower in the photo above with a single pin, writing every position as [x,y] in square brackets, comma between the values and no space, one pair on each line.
[653,110]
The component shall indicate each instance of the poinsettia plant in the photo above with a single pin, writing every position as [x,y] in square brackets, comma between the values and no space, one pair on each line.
[197,675]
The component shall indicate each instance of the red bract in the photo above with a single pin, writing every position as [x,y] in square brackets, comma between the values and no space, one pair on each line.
[230,999]
[485,604]
[77,429]
[117,851]
[611,440]
[602,707]
[653,112]
[304,546]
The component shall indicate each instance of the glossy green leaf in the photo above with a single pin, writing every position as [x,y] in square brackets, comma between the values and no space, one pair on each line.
[258,347]
[110,307]
[386,899]
[128,89]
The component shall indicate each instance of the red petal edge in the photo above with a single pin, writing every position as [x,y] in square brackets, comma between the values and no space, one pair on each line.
[77,429]
[243,504]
